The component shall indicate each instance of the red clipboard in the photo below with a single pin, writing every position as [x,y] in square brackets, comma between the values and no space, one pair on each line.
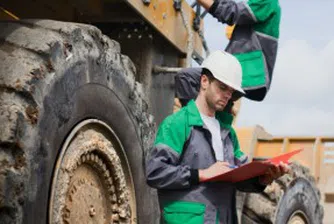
[253,169]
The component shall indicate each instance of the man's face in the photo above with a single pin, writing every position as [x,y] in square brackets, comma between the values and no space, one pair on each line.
[217,94]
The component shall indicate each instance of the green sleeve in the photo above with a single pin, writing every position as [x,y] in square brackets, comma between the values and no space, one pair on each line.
[173,132]
[237,151]
[263,9]
[268,16]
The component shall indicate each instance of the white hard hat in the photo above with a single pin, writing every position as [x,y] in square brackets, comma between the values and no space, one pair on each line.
[225,68]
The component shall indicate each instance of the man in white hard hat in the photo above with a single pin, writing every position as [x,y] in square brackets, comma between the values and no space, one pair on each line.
[197,143]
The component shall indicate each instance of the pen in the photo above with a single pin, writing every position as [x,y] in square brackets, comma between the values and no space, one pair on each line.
[232,166]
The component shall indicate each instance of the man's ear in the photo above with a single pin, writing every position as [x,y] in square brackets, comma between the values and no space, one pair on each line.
[204,82]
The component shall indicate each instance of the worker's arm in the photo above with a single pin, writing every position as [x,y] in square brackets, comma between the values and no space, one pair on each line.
[214,170]
[187,82]
[231,12]
[240,158]
[206,3]
[163,170]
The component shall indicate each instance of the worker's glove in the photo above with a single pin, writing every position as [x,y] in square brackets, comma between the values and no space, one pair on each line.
[177,5]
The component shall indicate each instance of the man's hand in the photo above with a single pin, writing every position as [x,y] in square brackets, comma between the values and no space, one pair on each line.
[214,170]
[275,172]
[205,3]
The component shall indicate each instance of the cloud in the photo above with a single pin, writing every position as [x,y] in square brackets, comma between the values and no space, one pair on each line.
[300,101]
[302,73]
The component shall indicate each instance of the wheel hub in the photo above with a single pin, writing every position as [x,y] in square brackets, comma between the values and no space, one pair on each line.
[92,181]
[90,193]
[298,217]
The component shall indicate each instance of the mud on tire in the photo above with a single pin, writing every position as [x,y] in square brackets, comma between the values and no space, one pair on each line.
[54,75]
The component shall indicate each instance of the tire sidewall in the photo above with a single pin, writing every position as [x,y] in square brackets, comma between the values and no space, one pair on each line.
[87,89]
[299,196]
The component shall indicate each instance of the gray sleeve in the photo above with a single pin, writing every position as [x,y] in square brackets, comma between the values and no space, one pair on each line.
[163,171]
[241,161]
[231,12]
[251,186]
[187,82]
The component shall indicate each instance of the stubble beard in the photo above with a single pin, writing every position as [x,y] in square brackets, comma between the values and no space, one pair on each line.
[214,105]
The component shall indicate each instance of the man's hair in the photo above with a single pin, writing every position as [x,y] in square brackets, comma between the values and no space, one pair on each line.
[207,73]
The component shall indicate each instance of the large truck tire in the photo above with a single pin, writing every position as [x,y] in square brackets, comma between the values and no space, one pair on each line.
[292,199]
[74,128]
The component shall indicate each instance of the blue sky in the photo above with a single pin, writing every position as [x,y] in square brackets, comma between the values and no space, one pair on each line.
[311,23]
[301,98]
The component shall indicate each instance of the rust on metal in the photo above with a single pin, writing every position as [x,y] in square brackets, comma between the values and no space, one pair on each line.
[162,15]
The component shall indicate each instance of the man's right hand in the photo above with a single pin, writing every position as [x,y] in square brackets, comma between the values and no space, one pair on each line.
[216,169]
[205,3]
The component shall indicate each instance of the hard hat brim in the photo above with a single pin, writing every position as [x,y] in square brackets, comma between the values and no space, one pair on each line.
[226,82]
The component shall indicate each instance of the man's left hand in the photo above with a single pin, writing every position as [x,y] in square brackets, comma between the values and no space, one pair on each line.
[274,172]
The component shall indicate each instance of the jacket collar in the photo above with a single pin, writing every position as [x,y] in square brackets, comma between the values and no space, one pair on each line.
[194,118]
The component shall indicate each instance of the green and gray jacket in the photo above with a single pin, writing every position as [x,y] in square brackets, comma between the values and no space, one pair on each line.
[254,41]
[182,147]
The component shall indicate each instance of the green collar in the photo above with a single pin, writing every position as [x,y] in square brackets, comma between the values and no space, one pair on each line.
[194,117]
